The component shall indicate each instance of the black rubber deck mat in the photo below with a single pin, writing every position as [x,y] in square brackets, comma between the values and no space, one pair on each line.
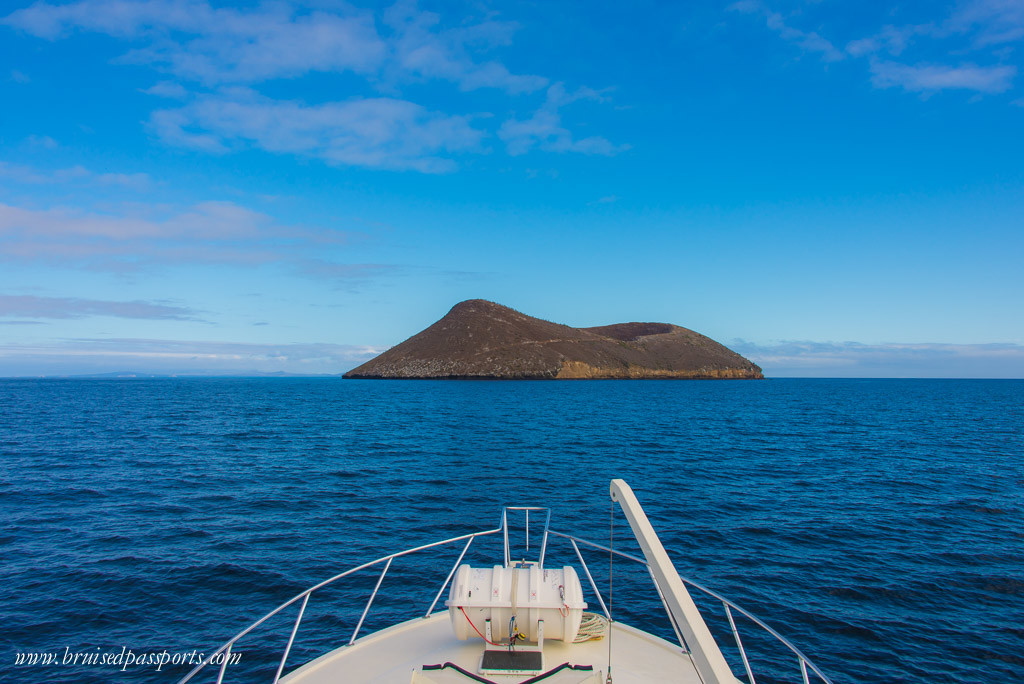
[531,680]
[513,660]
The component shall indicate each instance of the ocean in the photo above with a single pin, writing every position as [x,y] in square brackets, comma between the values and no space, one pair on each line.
[877,524]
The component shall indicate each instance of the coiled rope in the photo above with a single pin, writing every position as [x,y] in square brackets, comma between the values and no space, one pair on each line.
[592,628]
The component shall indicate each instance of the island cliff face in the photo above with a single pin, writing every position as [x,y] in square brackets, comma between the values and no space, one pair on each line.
[481,339]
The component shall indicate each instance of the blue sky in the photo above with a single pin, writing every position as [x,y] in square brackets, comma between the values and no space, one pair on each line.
[193,186]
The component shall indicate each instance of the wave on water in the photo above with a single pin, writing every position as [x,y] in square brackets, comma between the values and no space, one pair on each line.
[876,525]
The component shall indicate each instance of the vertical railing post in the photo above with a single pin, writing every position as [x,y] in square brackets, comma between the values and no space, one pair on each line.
[224,665]
[593,585]
[370,602]
[803,671]
[504,525]
[291,639]
[544,539]
[735,633]
[449,578]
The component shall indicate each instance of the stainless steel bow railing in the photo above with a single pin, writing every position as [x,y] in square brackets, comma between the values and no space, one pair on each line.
[803,661]
[223,653]
[304,597]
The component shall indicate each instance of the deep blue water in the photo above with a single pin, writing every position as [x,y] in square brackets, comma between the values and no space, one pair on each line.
[876,523]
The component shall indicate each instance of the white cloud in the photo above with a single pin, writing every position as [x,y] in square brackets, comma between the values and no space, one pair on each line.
[985,23]
[197,41]
[974,25]
[934,77]
[270,43]
[20,76]
[74,174]
[32,306]
[29,230]
[171,126]
[168,89]
[23,174]
[807,40]
[135,235]
[179,357]
[43,142]
[854,359]
[891,39]
[135,181]
[342,272]
[123,18]
[863,46]
[992,22]
[422,49]
[544,129]
[233,50]
[382,133]
[215,45]
[208,232]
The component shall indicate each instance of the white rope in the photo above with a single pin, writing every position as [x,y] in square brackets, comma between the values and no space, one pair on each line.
[592,628]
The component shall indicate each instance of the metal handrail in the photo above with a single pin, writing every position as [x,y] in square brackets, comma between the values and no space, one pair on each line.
[226,648]
[760,623]
[544,538]
[803,660]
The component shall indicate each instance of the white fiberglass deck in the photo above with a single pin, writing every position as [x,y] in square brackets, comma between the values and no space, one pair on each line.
[392,655]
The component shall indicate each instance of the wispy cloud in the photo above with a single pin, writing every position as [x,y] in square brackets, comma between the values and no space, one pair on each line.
[890,39]
[24,174]
[544,129]
[31,306]
[934,77]
[854,359]
[83,356]
[140,235]
[809,41]
[73,174]
[41,142]
[168,89]
[194,40]
[989,22]
[212,220]
[339,272]
[136,181]
[231,51]
[383,133]
[423,50]
[975,27]
[984,24]
[19,76]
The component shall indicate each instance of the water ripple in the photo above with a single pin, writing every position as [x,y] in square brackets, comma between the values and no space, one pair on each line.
[877,524]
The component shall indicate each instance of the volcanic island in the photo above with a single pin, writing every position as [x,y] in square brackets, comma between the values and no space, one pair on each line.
[479,339]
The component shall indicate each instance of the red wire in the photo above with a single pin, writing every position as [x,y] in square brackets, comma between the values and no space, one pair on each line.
[475,629]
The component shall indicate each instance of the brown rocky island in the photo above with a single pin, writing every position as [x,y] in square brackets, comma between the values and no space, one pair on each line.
[481,339]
